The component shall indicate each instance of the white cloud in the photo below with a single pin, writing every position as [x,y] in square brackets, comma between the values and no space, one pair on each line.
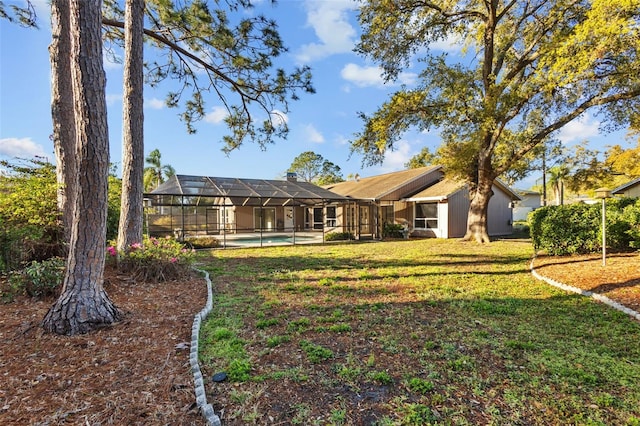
[330,21]
[217,115]
[362,76]
[312,134]
[24,147]
[452,43]
[155,103]
[371,76]
[279,118]
[579,129]
[113,99]
[396,159]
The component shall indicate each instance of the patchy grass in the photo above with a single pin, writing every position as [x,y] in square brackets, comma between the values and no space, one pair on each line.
[412,332]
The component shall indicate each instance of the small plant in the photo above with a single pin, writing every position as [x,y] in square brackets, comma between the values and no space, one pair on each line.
[418,385]
[340,328]
[155,260]
[274,341]
[38,279]
[417,414]
[393,230]
[299,325]
[239,370]
[316,353]
[203,242]
[269,322]
[338,236]
[381,377]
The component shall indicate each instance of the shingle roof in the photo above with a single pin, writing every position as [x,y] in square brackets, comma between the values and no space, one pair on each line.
[439,191]
[376,187]
[622,188]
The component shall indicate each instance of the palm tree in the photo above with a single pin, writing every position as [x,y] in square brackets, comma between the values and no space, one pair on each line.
[557,176]
[157,172]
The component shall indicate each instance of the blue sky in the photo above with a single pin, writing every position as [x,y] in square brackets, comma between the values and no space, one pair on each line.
[318,33]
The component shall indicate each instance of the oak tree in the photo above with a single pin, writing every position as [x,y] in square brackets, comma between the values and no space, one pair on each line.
[526,69]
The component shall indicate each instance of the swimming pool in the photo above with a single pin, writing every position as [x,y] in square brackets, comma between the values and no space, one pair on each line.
[253,241]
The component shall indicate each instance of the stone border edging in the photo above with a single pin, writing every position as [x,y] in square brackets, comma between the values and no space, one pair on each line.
[596,296]
[201,397]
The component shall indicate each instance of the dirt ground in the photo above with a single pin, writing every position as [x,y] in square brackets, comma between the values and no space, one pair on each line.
[134,373]
[137,372]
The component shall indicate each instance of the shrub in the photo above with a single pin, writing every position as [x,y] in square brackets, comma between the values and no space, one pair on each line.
[577,228]
[393,230]
[38,279]
[338,236]
[203,242]
[29,223]
[155,260]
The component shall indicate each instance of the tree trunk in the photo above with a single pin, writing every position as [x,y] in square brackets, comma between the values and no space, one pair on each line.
[84,305]
[131,214]
[477,220]
[62,111]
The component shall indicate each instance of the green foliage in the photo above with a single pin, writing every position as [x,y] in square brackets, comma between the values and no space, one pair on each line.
[577,228]
[422,159]
[526,70]
[239,49]
[338,236]
[155,260]
[315,353]
[312,167]
[199,242]
[113,206]
[393,230]
[38,279]
[29,223]
[421,386]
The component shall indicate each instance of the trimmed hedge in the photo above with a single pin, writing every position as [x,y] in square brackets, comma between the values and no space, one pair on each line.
[576,228]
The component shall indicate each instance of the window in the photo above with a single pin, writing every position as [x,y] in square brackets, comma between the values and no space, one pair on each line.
[426,216]
[331,216]
[387,214]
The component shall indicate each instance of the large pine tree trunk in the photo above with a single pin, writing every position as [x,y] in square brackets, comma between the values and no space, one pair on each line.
[84,305]
[481,193]
[62,111]
[131,214]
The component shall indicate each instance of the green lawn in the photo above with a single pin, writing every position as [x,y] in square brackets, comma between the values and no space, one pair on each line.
[411,333]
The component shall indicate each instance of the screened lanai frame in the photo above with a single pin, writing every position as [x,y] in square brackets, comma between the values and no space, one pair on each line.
[190,206]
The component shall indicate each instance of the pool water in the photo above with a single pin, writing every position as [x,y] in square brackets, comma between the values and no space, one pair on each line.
[268,239]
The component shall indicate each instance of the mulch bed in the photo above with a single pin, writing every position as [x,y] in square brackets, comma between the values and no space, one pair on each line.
[133,373]
[137,372]
[619,279]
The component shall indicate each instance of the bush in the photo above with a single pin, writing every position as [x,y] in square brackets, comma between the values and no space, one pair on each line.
[155,260]
[203,242]
[338,236]
[29,223]
[393,230]
[38,279]
[577,228]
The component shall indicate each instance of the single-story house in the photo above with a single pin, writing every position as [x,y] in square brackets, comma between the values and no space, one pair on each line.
[629,189]
[423,199]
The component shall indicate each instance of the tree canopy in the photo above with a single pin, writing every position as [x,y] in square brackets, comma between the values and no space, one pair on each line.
[526,69]
[220,50]
[157,172]
[312,167]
